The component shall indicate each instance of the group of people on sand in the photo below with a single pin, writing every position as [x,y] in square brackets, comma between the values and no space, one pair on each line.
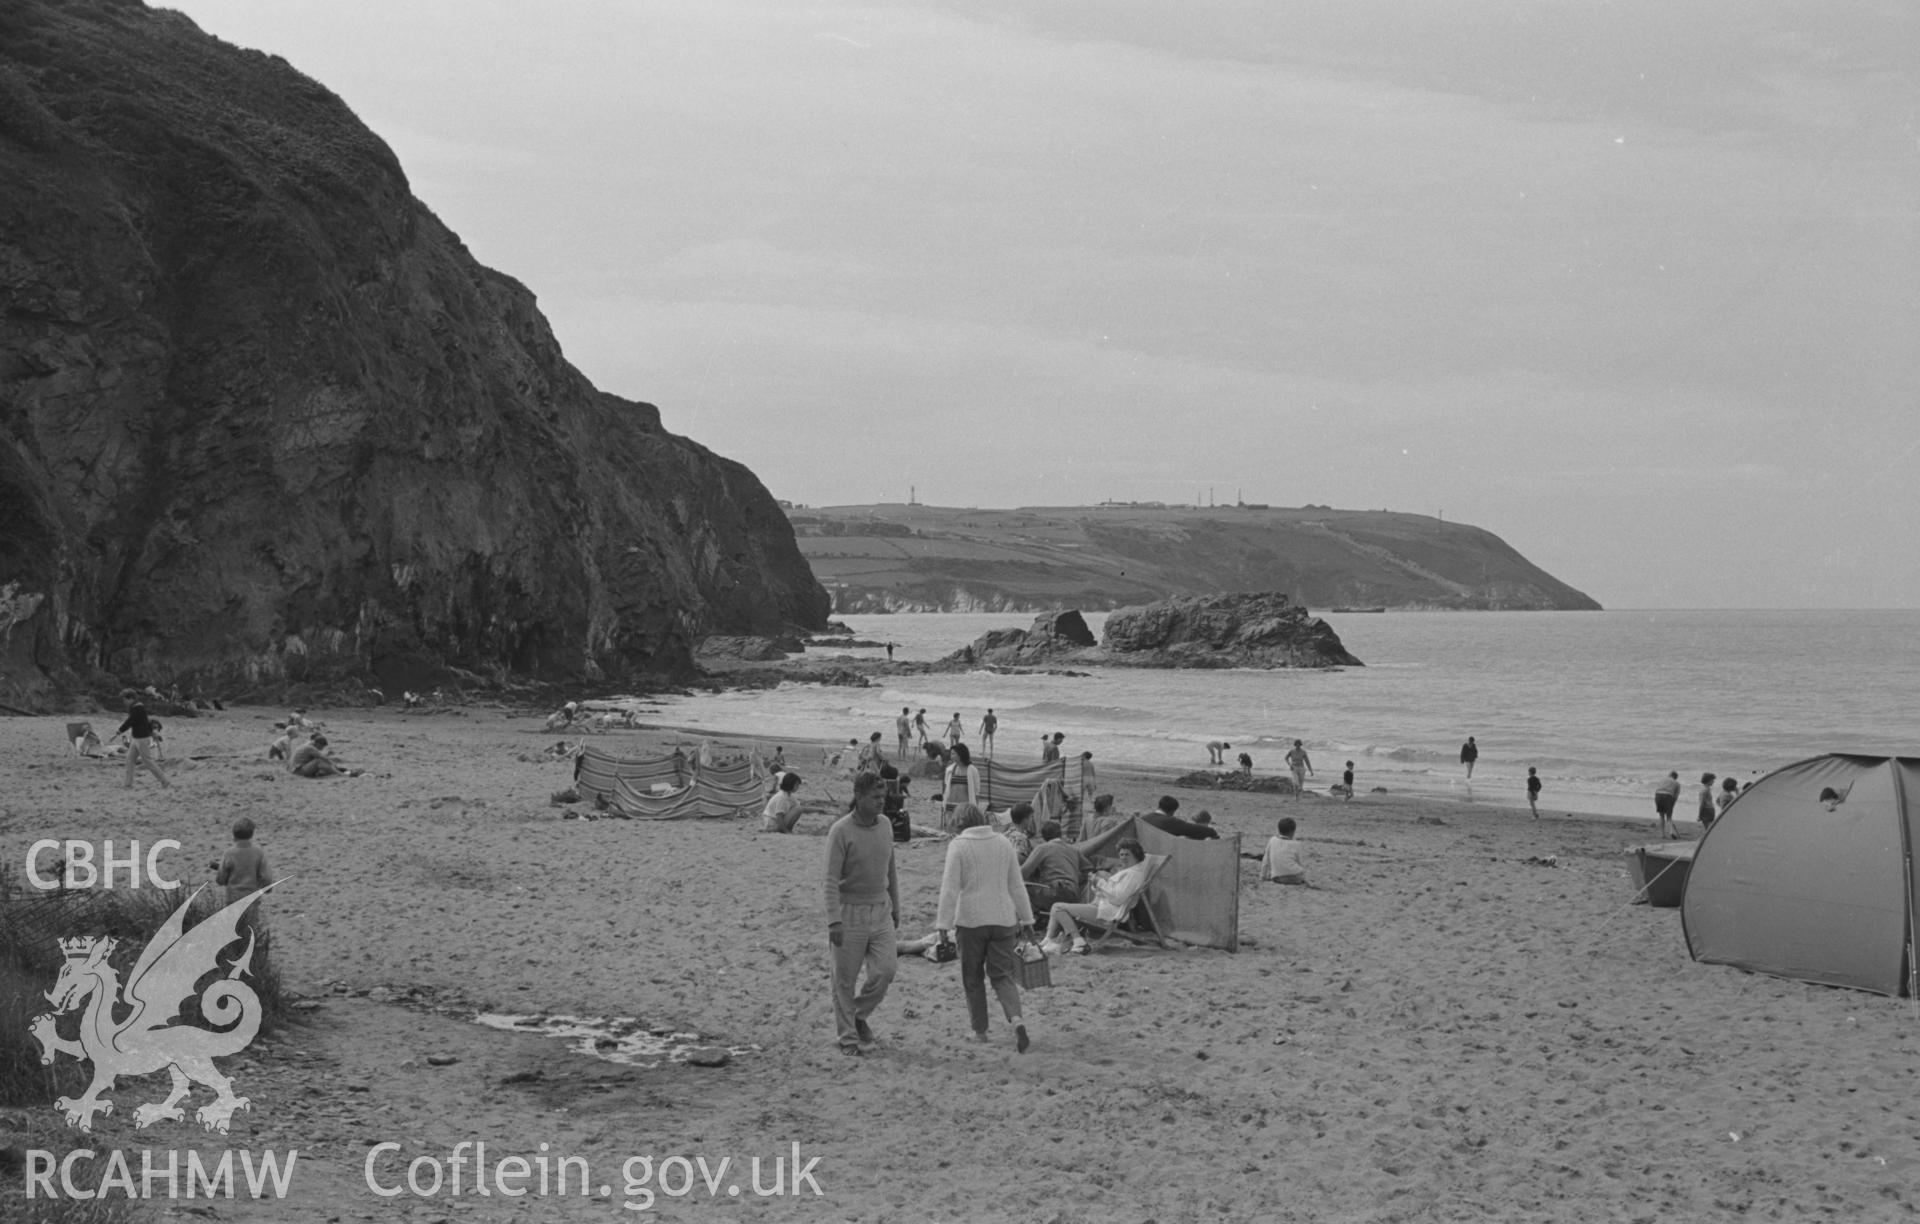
[989,894]
[1299,763]
[1713,801]
[303,746]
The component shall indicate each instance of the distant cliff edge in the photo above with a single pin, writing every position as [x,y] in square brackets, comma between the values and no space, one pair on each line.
[913,558]
[267,420]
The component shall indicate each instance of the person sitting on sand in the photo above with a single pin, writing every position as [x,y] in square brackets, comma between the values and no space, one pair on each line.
[1163,819]
[282,748]
[1020,830]
[1113,894]
[1101,817]
[1055,871]
[310,760]
[1282,863]
[783,808]
[894,807]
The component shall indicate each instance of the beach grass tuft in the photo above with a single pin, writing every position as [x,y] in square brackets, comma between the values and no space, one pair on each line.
[30,961]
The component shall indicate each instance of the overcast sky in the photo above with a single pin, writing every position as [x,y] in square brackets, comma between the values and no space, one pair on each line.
[1634,285]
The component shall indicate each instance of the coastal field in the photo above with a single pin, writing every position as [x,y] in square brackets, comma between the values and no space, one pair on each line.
[1464,1019]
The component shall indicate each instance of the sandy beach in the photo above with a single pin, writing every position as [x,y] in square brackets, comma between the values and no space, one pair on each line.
[1442,1029]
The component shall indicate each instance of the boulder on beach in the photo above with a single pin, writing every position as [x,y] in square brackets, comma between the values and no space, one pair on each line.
[752,649]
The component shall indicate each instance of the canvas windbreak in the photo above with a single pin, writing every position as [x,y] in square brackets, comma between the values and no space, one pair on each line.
[656,789]
[1196,896]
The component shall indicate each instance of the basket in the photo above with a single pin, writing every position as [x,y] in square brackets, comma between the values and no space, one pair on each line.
[1032,973]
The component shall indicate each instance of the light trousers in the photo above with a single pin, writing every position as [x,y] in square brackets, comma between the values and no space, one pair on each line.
[867,939]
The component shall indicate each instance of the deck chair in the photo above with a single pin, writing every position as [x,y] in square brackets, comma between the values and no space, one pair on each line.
[1136,925]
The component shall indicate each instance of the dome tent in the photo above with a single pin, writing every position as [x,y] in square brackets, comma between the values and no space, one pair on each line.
[1810,875]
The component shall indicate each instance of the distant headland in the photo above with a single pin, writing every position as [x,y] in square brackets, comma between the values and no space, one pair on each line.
[905,557]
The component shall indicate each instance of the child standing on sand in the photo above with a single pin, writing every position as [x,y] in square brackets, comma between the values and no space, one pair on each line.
[1533,790]
[1346,781]
[243,869]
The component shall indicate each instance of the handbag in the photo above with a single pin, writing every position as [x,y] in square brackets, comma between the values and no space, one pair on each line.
[1031,967]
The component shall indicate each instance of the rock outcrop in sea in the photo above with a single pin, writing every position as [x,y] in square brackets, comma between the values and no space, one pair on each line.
[1241,630]
[1190,631]
[267,420]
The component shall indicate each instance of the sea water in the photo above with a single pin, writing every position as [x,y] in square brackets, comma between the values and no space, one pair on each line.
[1603,704]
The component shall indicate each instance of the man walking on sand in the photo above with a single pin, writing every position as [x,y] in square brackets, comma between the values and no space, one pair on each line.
[988,726]
[1301,765]
[863,912]
[1469,753]
[920,726]
[903,730]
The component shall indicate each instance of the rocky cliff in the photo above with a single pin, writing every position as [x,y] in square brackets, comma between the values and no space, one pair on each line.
[914,558]
[266,419]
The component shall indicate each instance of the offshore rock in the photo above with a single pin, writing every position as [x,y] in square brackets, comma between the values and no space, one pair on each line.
[1241,630]
[1065,626]
[264,419]
[1196,631]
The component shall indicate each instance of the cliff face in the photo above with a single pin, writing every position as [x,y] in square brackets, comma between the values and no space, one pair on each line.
[913,558]
[266,418]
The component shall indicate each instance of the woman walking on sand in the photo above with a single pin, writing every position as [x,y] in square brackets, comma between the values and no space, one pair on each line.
[139,729]
[984,903]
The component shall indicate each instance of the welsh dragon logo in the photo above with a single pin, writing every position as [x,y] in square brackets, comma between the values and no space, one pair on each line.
[142,1040]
